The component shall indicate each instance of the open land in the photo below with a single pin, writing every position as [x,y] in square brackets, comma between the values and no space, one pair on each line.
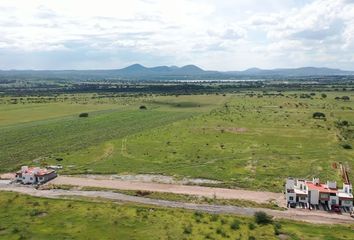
[247,140]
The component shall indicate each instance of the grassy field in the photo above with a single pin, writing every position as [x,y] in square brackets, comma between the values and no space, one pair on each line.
[245,140]
[24,217]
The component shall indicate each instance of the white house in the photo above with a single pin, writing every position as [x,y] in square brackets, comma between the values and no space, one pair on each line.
[314,192]
[345,195]
[34,175]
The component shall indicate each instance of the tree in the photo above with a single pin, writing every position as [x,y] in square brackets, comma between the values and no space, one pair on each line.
[262,218]
[318,115]
[83,115]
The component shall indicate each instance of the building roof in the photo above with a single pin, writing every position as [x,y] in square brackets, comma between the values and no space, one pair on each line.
[323,188]
[39,172]
[344,195]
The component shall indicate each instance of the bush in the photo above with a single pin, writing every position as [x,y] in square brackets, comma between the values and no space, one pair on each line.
[235,225]
[323,95]
[277,227]
[83,115]
[187,229]
[347,146]
[142,107]
[251,226]
[318,115]
[262,218]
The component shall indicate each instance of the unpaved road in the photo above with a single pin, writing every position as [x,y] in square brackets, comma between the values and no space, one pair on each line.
[292,214]
[222,193]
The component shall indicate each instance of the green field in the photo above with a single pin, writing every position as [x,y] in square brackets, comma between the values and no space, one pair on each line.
[245,140]
[24,217]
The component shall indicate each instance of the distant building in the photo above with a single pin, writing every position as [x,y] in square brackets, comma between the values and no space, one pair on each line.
[315,193]
[34,175]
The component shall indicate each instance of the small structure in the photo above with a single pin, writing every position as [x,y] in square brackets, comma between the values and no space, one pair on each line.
[314,192]
[34,175]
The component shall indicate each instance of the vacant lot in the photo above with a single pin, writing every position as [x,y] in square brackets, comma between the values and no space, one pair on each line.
[249,140]
[36,218]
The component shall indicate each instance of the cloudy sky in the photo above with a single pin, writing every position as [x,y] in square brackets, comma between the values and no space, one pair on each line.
[214,34]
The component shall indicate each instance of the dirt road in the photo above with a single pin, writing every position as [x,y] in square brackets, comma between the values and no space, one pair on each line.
[292,214]
[222,193]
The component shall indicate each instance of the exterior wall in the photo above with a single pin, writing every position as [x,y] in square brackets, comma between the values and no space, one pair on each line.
[314,196]
[28,179]
[291,197]
[46,178]
[303,199]
[333,200]
[347,203]
[289,184]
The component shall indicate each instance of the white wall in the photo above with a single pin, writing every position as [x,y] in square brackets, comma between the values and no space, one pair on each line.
[333,200]
[293,195]
[347,203]
[28,179]
[315,195]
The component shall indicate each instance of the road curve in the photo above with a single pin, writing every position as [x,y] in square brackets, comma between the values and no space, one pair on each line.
[292,214]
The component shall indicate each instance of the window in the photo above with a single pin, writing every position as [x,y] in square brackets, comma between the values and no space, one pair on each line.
[291,198]
[31,178]
[334,201]
[324,195]
[302,198]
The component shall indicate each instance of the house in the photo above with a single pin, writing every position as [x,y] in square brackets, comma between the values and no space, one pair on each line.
[314,192]
[34,175]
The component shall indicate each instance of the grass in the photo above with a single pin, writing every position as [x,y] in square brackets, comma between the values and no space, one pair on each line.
[24,217]
[245,140]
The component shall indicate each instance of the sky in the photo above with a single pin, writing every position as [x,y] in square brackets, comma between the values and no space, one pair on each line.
[213,34]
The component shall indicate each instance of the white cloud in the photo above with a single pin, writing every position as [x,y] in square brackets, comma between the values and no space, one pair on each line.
[214,33]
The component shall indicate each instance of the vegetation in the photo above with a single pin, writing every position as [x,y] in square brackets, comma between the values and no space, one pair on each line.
[83,115]
[24,217]
[237,138]
[262,218]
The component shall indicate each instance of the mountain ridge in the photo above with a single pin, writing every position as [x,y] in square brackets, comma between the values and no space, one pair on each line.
[140,72]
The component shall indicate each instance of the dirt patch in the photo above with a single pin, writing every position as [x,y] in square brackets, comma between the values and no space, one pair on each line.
[7,176]
[232,129]
[221,193]
[155,178]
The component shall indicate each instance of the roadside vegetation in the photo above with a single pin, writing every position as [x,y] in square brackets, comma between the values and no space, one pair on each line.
[25,217]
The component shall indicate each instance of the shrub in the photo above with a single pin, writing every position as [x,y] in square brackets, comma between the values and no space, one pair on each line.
[347,146]
[214,218]
[318,115]
[187,229]
[83,115]
[323,95]
[262,218]
[142,107]
[251,226]
[277,227]
[235,225]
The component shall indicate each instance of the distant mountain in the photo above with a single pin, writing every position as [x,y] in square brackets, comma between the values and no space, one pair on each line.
[304,71]
[140,72]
